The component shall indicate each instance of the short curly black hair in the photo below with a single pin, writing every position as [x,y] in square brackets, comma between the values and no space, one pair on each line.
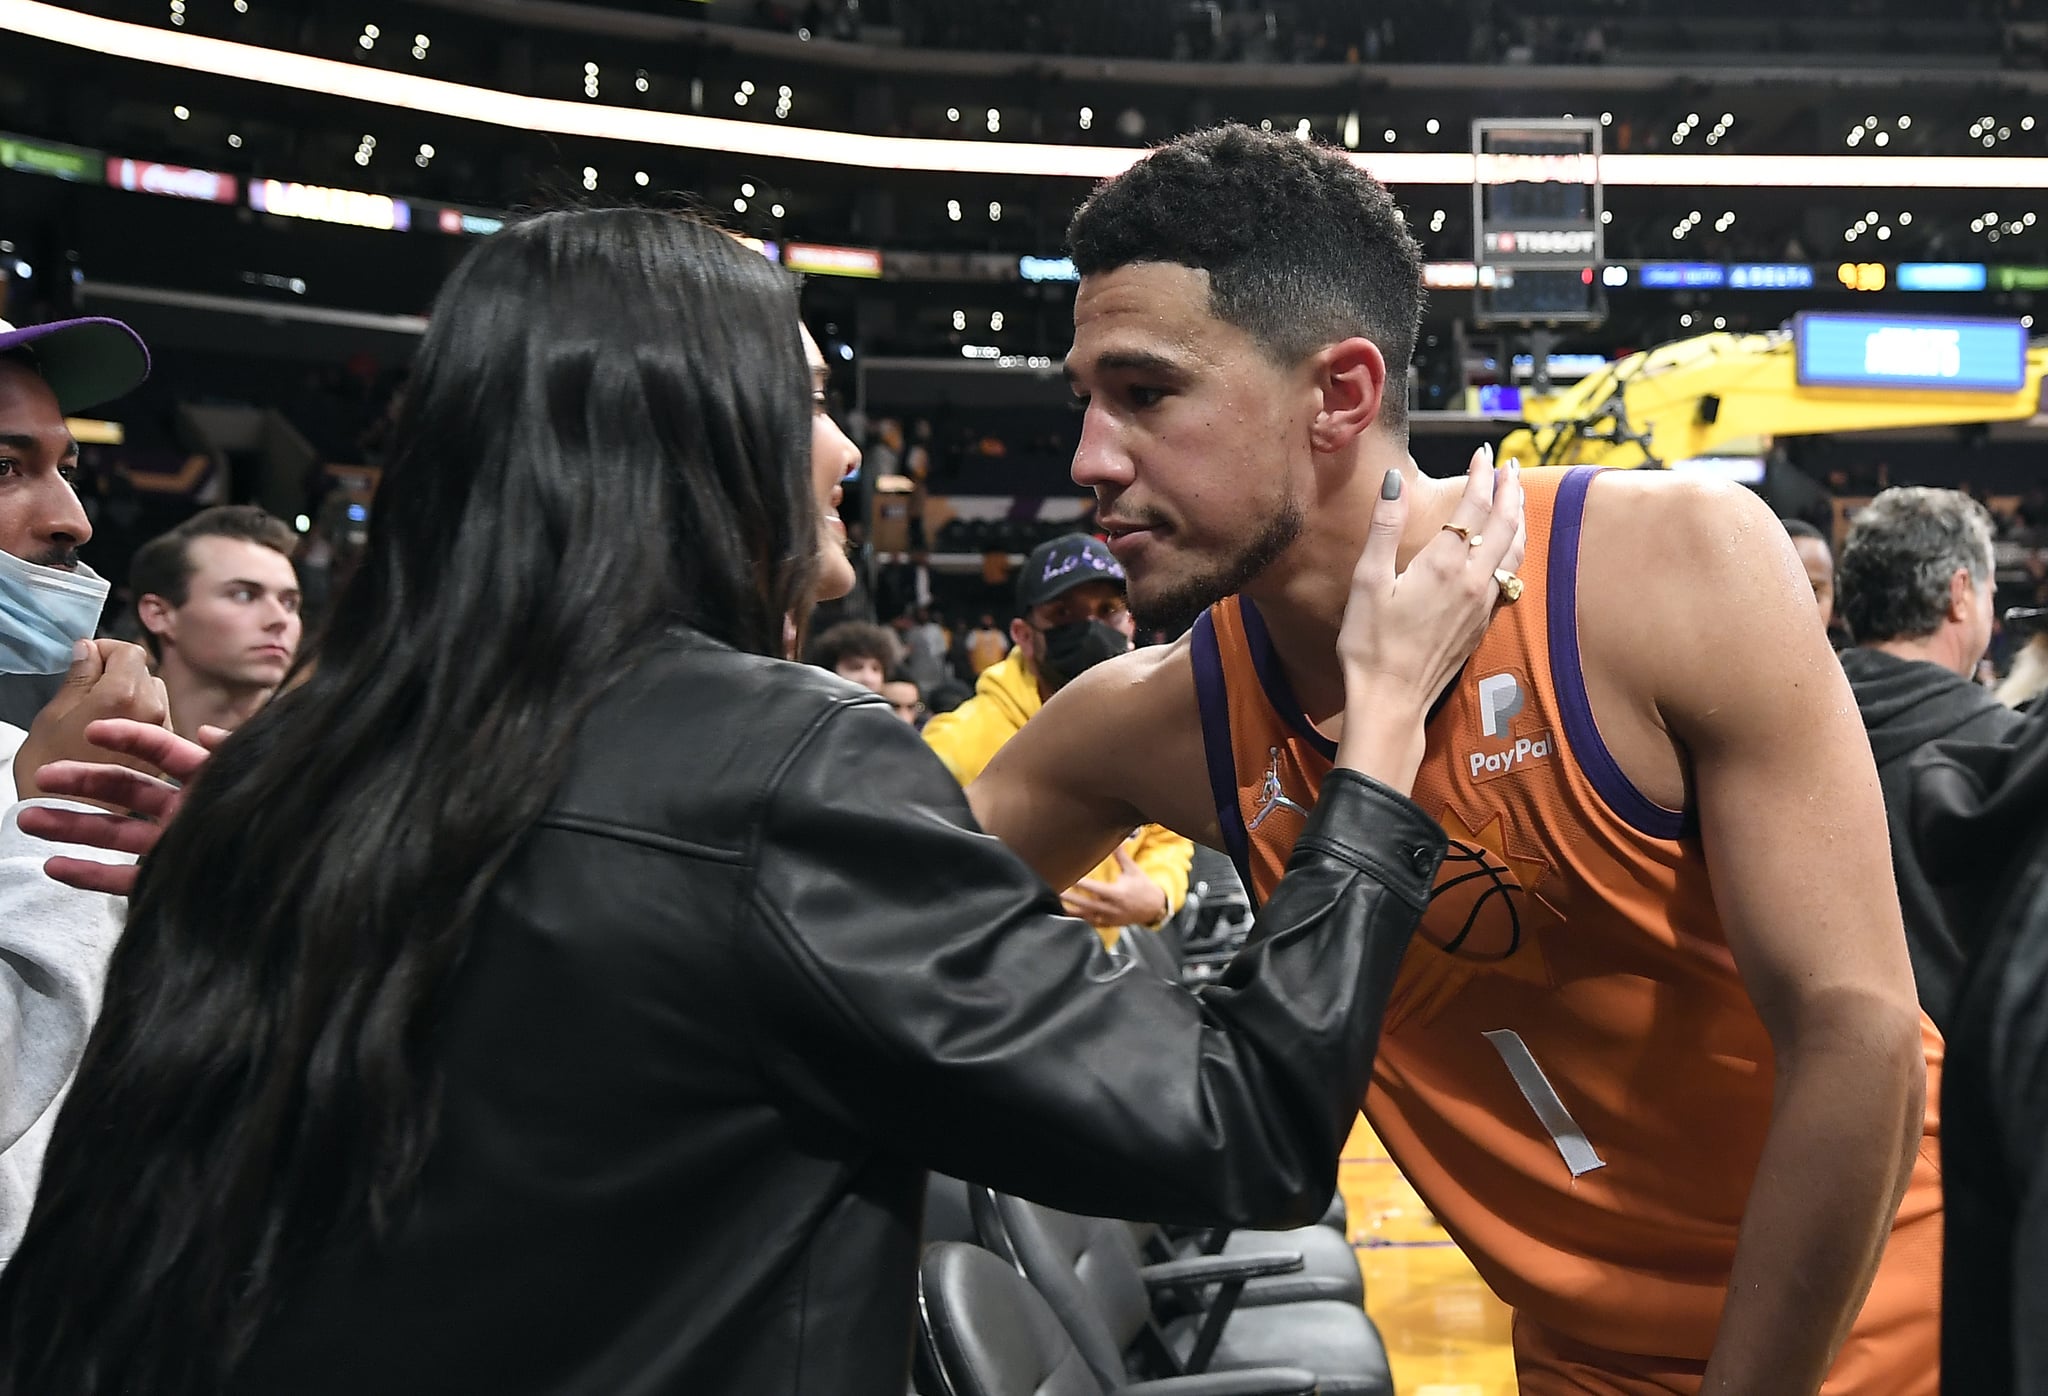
[1303,248]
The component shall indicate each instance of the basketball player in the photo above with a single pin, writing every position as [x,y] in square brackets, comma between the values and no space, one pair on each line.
[1655,1058]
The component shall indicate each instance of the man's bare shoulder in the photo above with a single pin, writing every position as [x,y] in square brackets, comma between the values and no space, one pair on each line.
[1688,593]
[1678,550]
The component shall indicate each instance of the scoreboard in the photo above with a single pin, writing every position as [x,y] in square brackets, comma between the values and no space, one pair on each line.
[1537,231]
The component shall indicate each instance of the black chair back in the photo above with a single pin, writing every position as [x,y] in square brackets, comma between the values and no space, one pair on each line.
[987,1332]
[1088,1269]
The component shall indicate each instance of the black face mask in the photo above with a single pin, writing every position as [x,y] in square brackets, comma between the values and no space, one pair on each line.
[1073,649]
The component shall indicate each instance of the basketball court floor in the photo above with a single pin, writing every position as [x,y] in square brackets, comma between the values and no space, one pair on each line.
[1446,1334]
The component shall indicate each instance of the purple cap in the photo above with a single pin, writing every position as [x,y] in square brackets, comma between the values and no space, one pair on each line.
[85,362]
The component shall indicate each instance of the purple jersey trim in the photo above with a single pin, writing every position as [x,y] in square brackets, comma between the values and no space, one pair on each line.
[1569,680]
[1279,692]
[1213,698]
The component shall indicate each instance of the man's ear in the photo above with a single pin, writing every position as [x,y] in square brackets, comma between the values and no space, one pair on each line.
[1962,593]
[1020,634]
[1351,375]
[158,616]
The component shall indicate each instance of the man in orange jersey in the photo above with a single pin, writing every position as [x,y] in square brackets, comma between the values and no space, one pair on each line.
[1655,1058]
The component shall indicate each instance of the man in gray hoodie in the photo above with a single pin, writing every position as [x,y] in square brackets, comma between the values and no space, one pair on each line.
[54,679]
[1915,587]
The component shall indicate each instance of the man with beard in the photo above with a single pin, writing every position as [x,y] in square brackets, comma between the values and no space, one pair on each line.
[1654,1057]
[54,679]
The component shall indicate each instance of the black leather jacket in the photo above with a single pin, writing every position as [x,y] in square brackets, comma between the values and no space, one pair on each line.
[752,975]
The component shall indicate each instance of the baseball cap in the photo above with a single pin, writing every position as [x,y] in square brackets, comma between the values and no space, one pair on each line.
[86,362]
[1057,567]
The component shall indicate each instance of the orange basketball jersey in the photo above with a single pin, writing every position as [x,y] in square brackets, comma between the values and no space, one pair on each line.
[1571,1072]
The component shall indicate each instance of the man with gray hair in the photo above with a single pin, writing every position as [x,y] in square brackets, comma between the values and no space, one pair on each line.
[1915,587]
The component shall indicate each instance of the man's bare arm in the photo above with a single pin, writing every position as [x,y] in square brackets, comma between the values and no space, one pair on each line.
[1794,828]
[1112,750]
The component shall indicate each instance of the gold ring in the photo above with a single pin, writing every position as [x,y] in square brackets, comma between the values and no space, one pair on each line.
[1465,533]
[1510,585]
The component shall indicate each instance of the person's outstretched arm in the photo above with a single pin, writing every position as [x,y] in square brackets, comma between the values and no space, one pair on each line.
[921,988]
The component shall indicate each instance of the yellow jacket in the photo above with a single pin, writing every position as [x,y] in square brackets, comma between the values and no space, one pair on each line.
[1005,697]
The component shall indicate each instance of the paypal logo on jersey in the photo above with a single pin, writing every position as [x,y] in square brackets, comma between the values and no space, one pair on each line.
[1500,698]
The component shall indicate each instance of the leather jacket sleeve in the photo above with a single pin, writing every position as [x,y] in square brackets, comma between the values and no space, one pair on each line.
[921,988]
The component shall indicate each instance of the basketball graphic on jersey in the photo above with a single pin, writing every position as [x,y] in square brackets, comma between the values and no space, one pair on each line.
[1484,908]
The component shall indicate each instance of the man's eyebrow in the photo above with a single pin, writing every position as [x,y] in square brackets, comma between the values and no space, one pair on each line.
[21,441]
[1131,361]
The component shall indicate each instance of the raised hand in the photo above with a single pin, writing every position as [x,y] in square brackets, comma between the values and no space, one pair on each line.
[152,800]
[1406,633]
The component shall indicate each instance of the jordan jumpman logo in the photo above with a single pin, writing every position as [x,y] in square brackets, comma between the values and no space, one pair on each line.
[1272,795]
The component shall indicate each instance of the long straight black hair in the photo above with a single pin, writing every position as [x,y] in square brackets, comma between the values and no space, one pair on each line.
[607,436]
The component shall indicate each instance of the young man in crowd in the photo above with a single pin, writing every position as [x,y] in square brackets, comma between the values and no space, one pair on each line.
[1071,616]
[1654,1058]
[54,679]
[857,650]
[1819,561]
[1917,593]
[901,692]
[219,605]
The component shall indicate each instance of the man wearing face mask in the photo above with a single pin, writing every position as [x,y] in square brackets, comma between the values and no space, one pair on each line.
[1071,617]
[54,679]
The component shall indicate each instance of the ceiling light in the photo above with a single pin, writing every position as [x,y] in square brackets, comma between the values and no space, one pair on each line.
[241,7]
[1870,123]
[995,212]
[589,177]
[1884,138]
[959,319]
[739,205]
[1884,234]
[995,321]
[1389,135]
[234,141]
[182,113]
[640,80]
[952,113]
[1606,215]
[1720,322]
[2026,123]
[1432,126]
[640,178]
[953,209]
[1685,320]
[1607,118]
[1301,129]
[775,210]
[1905,220]
[748,190]
[1905,123]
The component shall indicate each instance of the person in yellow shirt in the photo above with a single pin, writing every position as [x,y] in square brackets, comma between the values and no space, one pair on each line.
[1071,616]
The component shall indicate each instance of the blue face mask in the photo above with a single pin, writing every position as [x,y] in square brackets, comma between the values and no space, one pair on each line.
[44,613]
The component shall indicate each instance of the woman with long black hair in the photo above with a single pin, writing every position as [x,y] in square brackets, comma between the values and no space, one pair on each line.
[555,991]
